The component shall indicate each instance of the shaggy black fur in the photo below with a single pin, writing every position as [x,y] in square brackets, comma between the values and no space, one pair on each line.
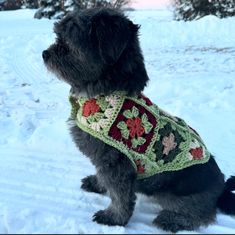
[226,202]
[89,45]
[97,52]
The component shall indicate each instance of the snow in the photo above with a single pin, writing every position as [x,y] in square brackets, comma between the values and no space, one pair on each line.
[192,68]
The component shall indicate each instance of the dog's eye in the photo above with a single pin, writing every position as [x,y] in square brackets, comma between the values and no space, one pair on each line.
[66,43]
[61,47]
[62,41]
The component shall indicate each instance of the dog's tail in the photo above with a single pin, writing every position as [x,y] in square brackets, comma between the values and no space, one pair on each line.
[226,202]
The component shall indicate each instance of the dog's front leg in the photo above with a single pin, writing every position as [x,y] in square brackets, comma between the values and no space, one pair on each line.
[119,180]
[91,184]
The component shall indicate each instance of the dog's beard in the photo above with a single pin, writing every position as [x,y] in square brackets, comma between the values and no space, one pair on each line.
[54,66]
[63,76]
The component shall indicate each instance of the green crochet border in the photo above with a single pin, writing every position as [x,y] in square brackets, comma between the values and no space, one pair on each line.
[156,167]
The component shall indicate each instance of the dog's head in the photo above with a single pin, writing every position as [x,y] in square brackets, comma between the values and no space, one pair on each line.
[97,52]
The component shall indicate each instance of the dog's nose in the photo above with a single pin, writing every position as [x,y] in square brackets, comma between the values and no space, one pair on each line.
[45,55]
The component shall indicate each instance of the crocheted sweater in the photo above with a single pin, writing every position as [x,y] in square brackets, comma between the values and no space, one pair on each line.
[153,140]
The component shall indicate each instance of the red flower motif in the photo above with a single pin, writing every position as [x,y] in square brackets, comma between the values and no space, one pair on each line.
[140,167]
[90,107]
[197,153]
[135,127]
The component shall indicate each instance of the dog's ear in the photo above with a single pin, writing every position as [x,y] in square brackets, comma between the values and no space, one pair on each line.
[112,34]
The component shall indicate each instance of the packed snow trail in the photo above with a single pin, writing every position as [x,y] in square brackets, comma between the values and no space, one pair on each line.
[191,68]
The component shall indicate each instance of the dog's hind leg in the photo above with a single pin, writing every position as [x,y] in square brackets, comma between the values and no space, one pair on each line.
[186,212]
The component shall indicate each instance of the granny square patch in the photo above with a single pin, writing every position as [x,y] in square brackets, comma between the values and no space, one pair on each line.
[134,126]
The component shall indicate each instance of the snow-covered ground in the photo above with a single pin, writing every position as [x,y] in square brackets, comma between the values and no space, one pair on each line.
[192,71]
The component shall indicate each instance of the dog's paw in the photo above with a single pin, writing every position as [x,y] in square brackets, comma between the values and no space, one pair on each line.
[90,184]
[173,222]
[108,217]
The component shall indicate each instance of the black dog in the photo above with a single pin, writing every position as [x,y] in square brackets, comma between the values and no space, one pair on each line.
[97,53]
